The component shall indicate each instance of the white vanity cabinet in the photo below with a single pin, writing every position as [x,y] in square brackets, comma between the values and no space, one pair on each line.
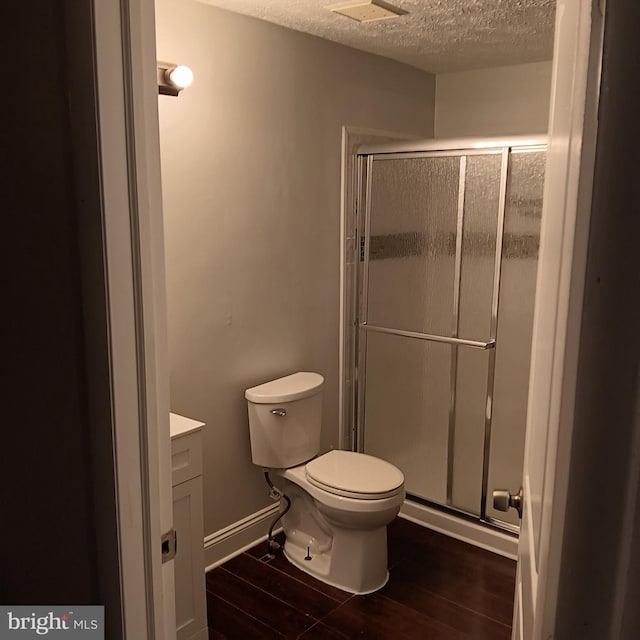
[186,479]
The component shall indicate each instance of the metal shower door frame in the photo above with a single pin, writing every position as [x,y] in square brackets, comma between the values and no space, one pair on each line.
[462,148]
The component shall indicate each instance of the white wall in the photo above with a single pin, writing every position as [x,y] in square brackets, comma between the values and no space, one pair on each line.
[500,101]
[251,185]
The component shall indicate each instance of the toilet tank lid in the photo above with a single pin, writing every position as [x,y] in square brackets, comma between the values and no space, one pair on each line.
[294,387]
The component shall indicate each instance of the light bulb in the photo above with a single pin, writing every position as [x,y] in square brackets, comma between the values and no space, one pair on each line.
[180,76]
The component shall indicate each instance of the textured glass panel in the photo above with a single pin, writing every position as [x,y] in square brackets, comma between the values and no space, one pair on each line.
[412,243]
[481,201]
[515,323]
[468,448]
[407,410]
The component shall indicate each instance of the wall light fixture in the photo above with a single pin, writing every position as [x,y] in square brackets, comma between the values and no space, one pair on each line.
[173,78]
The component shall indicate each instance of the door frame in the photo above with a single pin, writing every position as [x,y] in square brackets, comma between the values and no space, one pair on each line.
[129,154]
[132,246]
[573,127]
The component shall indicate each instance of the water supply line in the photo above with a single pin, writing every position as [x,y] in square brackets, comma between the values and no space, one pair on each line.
[275,494]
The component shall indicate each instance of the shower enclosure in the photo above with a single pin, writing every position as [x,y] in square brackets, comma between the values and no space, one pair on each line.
[440,275]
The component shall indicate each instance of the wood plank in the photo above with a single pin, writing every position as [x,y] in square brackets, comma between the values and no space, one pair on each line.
[378,618]
[263,575]
[232,623]
[258,603]
[481,596]
[410,540]
[450,613]
[320,631]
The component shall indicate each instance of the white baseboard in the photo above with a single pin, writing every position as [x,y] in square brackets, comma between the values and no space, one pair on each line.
[484,537]
[238,537]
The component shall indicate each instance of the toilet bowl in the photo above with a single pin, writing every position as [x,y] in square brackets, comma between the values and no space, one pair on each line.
[341,501]
[341,539]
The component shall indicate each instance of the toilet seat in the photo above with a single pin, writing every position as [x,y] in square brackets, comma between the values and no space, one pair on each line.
[355,475]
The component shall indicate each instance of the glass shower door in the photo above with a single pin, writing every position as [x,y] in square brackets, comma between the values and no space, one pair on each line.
[523,215]
[432,230]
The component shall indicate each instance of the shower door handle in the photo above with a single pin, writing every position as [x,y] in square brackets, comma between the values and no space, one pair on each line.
[503,501]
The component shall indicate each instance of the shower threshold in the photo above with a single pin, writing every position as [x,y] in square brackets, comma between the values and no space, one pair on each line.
[494,535]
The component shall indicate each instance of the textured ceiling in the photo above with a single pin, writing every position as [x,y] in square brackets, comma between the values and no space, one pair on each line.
[436,35]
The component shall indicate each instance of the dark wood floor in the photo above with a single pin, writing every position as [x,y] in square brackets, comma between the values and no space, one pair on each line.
[439,589]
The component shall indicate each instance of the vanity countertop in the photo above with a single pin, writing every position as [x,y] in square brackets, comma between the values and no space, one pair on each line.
[180,425]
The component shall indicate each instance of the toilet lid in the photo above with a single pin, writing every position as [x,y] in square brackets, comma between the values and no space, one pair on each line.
[355,475]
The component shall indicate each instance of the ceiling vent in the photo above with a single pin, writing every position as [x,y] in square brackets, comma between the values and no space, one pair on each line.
[367,10]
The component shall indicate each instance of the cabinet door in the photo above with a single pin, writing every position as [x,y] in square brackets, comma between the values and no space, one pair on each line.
[191,612]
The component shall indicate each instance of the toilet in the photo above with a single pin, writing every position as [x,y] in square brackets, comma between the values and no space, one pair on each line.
[341,501]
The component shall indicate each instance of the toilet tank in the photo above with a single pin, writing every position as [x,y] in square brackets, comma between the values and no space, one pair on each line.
[285,417]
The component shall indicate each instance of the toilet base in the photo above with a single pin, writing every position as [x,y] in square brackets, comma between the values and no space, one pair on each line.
[356,562]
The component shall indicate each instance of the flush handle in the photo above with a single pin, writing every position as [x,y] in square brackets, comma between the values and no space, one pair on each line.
[280,411]
[503,501]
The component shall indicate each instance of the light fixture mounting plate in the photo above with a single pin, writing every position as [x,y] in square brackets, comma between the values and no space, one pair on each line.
[166,88]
